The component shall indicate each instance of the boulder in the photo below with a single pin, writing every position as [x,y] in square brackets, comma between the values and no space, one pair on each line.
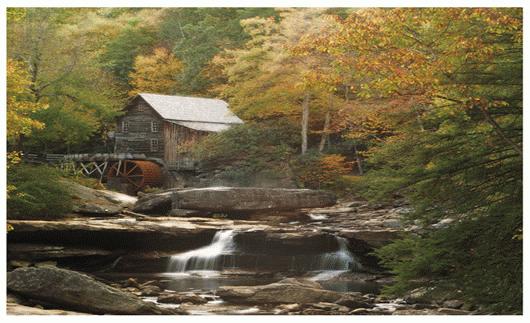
[330,308]
[431,311]
[18,263]
[453,303]
[370,311]
[87,200]
[411,311]
[289,290]
[374,238]
[155,203]
[181,298]
[453,311]
[150,290]
[96,208]
[76,291]
[120,199]
[131,282]
[186,213]
[418,295]
[287,308]
[250,199]
[354,302]
[18,306]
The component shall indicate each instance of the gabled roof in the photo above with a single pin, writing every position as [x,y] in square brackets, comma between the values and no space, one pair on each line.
[203,126]
[190,109]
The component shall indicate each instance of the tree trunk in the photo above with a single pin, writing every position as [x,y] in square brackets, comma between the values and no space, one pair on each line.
[499,130]
[359,160]
[418,118]
[305,122]
[325,131]
[34,73]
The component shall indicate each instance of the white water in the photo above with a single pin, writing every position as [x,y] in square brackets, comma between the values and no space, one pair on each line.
[342,259]
[206,258]
[317,216]
[332,264]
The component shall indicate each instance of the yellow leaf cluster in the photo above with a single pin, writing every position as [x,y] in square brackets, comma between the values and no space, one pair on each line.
[20,103]
[155,73]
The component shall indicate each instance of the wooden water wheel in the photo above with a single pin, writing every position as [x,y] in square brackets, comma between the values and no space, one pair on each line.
[136,174]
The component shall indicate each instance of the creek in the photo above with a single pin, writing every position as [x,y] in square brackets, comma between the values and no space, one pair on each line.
[223,262]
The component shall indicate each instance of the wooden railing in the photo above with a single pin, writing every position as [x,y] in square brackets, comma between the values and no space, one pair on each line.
[42,158]
[183,164]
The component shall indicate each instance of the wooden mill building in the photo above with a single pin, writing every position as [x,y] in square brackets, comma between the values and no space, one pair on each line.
[165,126]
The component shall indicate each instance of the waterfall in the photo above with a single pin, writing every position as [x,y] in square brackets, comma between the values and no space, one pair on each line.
[342,259]
[206,258]
[332,264]
[222,253]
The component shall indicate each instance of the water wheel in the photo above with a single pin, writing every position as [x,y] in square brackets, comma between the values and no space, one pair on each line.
[135,174]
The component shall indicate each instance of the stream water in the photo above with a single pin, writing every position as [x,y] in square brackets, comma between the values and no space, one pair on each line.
[221,263]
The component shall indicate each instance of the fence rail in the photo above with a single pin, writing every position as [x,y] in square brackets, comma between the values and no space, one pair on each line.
[42,158]
[181,164]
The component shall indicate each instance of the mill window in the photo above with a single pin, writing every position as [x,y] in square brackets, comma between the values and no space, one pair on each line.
[154,145]
[155,126]
[124,126]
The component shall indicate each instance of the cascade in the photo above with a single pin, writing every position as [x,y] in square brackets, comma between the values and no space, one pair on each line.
[342,259]
[222,253]
[332,264]
[209,257]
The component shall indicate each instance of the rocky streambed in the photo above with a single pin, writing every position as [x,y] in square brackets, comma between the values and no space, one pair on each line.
[276,252]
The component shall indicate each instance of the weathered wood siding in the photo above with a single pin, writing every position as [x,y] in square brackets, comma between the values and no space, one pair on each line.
[178,141]
[139,136]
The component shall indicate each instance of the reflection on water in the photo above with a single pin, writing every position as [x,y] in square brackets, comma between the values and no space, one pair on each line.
[351,286]
[327,275]
[211,281]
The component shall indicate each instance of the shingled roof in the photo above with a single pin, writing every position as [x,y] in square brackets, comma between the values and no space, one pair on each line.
[196,113]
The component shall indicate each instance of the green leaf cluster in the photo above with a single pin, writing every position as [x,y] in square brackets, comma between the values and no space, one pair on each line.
[464,167]
[38,193]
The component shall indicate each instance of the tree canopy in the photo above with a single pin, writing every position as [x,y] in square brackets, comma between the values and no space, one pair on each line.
[420,103]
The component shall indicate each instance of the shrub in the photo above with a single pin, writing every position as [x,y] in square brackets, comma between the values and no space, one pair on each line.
[250,154]
[478,260]
[314,170]
[37,192]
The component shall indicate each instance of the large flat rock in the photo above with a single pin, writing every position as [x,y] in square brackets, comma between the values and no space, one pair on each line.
[250,199]
[76,291]
[29,251]
[160,233]
[15,306]
[286,291]
[137,237]
[115,233]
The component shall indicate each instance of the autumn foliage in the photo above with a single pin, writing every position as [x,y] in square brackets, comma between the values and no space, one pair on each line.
[20,104]
[321,171]
[424,104]
[156,73]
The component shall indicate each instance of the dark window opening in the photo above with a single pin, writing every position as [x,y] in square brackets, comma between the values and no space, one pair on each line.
[154,145]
